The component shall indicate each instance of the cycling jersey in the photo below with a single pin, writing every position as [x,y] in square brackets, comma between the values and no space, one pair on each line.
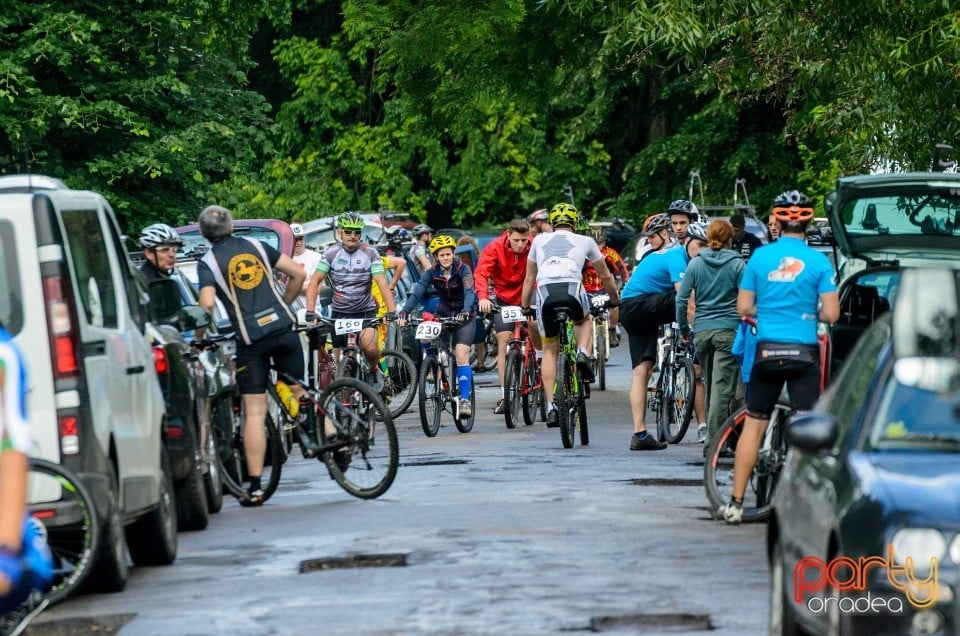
[788,278]
[415,252]
[560,256]
[375,289]
[454,289]
[308,259]
[241,270]
[351,274]
[14,427]
[657,272]
[591,279]
[504,268]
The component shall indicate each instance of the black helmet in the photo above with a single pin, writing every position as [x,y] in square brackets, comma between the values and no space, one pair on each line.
[656,223]
[422,229]
[682,206]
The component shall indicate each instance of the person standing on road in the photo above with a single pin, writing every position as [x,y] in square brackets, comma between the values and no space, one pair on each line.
[682,213]
[240,271]
[744,243]
[160,244]
[593,284]
[773,225]
[714,279]
[419,253]
[502,267]
[555,268]
[306,258]
[782,286]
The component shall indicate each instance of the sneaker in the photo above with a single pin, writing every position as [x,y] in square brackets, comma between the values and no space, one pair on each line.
[614,338]
[553,420]
[252,499]
[16,620]
[376,383]
[702,433]
[647,442]
[732,513]
[465,411]
[500,408]
[585,366]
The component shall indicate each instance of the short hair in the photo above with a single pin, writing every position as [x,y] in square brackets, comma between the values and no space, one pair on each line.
[520,226]
[737,221]
[719,234]
[215,222]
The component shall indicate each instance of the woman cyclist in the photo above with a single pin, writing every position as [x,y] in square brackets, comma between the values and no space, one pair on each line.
[452,281]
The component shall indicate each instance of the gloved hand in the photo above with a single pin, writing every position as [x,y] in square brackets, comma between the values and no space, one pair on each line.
[391,316]
[463,316]
[528,311]
[310,318]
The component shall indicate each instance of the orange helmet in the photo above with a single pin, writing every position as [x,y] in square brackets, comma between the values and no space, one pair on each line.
[792,207]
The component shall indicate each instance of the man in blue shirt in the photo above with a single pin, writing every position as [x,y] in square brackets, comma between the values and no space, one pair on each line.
[647,302]
[782,286]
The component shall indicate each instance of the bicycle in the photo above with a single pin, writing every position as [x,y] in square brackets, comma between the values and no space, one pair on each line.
[601,337]
[489,359]
[522,384]
[438,386]
[59,500]
[399,371]
[672,402]
[571,391]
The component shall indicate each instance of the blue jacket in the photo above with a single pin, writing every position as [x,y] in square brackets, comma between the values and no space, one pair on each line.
[456,292]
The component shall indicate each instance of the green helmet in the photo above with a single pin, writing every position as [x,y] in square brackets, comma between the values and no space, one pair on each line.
[350,221]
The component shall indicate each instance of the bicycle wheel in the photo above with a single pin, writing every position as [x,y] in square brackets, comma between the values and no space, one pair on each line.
[347,367]
[466,425]
[430,396]
[531,397]
[680,402]
[511,388]
[601,355]
[399,382]
[226,421]
[365,430]
[582,419]
[661,404]
[718,466]
[563,399]
[232,456]
[59,499]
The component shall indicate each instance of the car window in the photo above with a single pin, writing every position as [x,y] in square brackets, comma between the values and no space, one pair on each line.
[11,305]
[912,416]
[196,244]
[848,391]
[926,212]
[91,264]
[137,298]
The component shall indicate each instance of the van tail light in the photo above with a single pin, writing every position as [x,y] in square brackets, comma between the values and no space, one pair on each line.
[69,433]
[160,361]
[62,323]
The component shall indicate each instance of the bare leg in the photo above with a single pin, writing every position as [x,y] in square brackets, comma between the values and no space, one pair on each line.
[254,431]
[747,449]
[638,395]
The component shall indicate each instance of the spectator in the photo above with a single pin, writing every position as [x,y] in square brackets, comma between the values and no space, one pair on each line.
[774,226]
[304,257]
[743,242]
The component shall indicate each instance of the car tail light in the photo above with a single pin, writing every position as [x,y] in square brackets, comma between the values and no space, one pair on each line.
[69,434]
[160,361]
[62,323]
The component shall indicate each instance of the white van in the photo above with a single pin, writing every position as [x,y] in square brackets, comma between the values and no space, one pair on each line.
[95,406]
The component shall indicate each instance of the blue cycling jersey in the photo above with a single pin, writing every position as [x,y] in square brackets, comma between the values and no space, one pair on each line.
[657,273]
[788,278]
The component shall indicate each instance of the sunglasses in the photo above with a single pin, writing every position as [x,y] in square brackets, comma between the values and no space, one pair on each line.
[352,232]
[167,249]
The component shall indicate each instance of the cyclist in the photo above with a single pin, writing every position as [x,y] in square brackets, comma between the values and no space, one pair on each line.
[25,561]
[555,266]
[682,213]
[654,241]
[781,287]
[649,301]
[502,267]
[418,252]
[773,225]
[239,271]
[304,257]
[398,264]
[593,284]
[452,281]
[539,223]
[353,267]
[160,244]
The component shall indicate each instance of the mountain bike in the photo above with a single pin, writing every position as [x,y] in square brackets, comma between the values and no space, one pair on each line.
[439,389]
[522,384]
[601,337]
[399,371]
[672,400]
[488,360]
[58,499]
[571,391]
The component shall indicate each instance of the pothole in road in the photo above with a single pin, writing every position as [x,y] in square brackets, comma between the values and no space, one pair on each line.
[664,481]
[650,623]
[435,462]
[81,625]
[355,561]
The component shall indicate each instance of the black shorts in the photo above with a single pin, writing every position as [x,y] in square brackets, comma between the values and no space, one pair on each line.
[285,349]
[641,317]
[553,296]
[340,341]
[801,374]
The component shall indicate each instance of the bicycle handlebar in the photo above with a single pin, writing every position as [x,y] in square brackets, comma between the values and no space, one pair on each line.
[212,341]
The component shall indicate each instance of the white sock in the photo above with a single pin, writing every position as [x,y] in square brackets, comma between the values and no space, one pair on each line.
[551,407]
[501,393]
[538,354]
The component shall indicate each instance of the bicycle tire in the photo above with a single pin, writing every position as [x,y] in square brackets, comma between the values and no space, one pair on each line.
[601,355]
[67,510]
[226,418]
[661,403]
[530,397]
[512,400]
[362,420]
[718,470]
[430,397]
[348,368]
[683,391]
[563,400]
[399,383]
[233,458]
[466,425]
[582,420]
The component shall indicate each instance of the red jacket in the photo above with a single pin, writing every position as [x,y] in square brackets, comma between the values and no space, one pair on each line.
[503,268]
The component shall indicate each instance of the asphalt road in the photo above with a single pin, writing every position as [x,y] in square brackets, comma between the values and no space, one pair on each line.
[495,531]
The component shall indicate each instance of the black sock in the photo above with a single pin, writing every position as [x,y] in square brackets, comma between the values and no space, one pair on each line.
[736,502]
[254,484]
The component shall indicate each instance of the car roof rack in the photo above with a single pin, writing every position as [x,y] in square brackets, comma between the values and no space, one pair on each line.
[739,185]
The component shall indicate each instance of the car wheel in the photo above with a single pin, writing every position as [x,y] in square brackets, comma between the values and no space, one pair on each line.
[782,622]
[153,537]
[112,570]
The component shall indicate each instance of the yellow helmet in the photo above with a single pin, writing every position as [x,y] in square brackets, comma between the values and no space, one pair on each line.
[441,242]
[564,214]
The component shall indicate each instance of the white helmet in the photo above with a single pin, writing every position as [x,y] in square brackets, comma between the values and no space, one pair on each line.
[159,234]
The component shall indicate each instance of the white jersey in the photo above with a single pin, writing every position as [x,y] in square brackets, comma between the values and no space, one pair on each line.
[561,255]
[308,260]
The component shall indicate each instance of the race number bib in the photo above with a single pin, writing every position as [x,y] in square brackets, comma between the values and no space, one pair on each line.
[428,330]
[599,300]
[512,314]
[347,325]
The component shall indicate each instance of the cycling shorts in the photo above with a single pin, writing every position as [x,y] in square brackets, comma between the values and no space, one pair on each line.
[800,372]
[285,349]
[641,317]
[553,296]
[340,340]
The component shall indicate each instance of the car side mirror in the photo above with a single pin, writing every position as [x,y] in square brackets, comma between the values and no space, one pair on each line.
[812,431]
[193,317]
[165,302]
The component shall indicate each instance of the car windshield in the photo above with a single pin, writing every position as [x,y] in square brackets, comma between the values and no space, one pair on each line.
[196,244]
[919,414]
[927,212]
